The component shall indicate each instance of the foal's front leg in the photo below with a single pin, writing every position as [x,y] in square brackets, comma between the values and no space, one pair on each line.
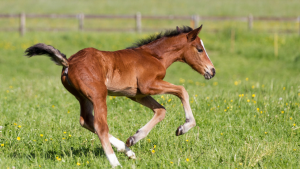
[159,115]
[163,87]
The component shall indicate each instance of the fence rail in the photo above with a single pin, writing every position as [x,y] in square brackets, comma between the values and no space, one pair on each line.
[194,20]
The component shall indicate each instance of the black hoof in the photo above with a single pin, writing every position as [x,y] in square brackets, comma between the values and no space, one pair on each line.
[179,131]
[130,141]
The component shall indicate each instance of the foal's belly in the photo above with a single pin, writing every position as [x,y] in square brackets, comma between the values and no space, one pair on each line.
[125,91]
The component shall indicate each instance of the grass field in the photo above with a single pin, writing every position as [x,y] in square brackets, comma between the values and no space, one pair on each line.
[247,115]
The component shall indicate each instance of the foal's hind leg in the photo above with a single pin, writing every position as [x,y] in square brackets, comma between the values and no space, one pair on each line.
[87,121]
[86,114]
[121,147]
[159,115]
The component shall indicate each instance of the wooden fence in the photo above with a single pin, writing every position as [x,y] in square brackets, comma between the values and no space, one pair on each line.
[194,20]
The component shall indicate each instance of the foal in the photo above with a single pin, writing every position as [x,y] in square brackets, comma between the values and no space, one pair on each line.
[137,73]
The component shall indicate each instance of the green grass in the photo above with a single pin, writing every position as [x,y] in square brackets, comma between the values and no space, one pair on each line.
[231,132]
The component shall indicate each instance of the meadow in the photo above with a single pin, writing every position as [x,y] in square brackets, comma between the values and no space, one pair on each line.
[247,115]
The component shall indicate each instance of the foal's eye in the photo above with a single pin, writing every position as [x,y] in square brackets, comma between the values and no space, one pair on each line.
[200,50]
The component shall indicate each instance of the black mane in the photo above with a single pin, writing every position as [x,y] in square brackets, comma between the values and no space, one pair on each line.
[167,33]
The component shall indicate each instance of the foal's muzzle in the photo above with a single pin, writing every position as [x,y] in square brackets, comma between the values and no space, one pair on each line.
[209,74]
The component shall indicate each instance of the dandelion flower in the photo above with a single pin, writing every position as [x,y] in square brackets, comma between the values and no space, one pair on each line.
[283,88]
[291,118]
[169,100]
[59,159]
[153,151]
[78,164]
[10,87]
[247,79]
[53,106]
[87,162]
[154,146]
[19,126]
[18,138]
[282,112]
[171,162]
[15,124]
[248,100]
[65,132]
[294,124]
[187,160]
[253,95]
[2,145]
[257,109]
[266,132]
[186,140]
[41,135]
[46,139]
[63,138]
[294,149]
[68,111]
[70,135]
[222,134]
[241,163]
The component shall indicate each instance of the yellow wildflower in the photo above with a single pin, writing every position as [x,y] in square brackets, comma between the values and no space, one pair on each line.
[87,162]
[65,132]
[248,100]
[283,88]
[247,79]
[154,146]
[10,87]
[253,95]
[291,118]
[2,145]
[70,135]
[169,100]
[63,138]
[171,162]
[153,151]
[187,159]
[294,124]
[53,106]
[282,112]
[15,124]
[19,126]
[41,135]
[257,109]
[221,134]
[18,138]
[266,132]
[46,139]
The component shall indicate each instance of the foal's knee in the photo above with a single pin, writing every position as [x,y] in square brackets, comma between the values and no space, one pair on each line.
[160,113]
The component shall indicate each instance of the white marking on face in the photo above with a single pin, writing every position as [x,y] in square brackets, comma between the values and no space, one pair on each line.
[205,50]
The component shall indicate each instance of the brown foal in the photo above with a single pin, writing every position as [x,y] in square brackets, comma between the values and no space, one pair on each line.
[137,73]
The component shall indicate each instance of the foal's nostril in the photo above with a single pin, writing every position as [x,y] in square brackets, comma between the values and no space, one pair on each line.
[213,70]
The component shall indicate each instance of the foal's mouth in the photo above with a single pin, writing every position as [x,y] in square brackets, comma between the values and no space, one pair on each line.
[209,75]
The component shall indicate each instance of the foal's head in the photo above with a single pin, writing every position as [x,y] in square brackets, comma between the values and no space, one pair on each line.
[195,54]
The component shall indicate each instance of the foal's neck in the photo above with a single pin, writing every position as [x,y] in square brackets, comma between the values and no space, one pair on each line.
[166,51]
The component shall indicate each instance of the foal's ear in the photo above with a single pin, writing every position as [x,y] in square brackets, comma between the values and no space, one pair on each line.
[193,34]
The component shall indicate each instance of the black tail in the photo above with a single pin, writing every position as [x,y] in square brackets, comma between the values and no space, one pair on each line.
[43,49]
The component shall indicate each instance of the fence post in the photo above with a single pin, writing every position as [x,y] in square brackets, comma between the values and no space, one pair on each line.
[250,22]
[22,28]
[138,21]
[81,21]
[196,20]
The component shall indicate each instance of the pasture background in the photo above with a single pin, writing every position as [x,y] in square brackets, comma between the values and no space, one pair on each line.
[231,132]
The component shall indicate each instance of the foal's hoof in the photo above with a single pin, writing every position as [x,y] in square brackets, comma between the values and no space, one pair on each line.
[179,131]
[130,141]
